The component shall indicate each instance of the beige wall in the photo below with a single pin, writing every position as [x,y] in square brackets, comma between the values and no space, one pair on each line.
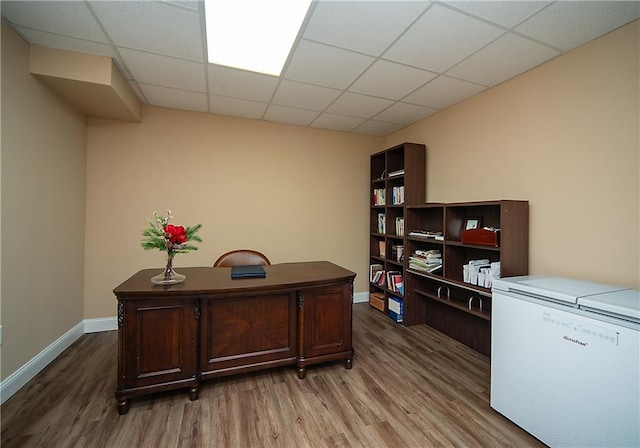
[564,136]
[43,210]
[293,193]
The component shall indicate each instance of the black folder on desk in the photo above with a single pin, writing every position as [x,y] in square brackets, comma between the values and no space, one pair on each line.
[252,271]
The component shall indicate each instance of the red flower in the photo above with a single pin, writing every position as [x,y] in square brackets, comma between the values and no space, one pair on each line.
[176,234]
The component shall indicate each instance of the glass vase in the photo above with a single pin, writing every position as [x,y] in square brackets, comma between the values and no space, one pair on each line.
[168,276]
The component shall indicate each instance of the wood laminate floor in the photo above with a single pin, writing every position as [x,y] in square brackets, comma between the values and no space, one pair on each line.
[409,387]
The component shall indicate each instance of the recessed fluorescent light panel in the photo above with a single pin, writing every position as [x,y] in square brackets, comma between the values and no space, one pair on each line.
[255,35]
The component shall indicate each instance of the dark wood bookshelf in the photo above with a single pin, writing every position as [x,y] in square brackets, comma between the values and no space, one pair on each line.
[402,167]
[443,300]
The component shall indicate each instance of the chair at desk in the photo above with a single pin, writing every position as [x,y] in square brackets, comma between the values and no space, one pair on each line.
[242,257]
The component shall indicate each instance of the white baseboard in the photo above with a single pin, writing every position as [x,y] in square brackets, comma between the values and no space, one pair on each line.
[100,324]
[27,372]
[360,297]
[24,374]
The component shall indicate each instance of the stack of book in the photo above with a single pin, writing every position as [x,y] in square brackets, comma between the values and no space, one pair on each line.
[426,261]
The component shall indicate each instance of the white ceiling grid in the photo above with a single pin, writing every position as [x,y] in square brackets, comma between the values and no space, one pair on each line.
[363,66]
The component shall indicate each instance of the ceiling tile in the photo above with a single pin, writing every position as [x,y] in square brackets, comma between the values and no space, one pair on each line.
[164,71]
[305,96]
[443,92]
[396,61]
[570,23]
[67,18]
[227,81]
[504,13]
[405,113]
[61,42]
[336,122]
[175,99]
[290,115]
[502,59]
[440,39]
[356,105]
[390,80]
[368,27]
[326,66]
[380,128]
[236,107]
[167,29]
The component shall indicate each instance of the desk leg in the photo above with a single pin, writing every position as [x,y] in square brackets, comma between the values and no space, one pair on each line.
[302,372]
[348,362]
[194,392]
[123,406]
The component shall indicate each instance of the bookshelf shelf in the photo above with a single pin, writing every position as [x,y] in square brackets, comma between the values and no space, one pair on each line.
[397,180]
[444,300]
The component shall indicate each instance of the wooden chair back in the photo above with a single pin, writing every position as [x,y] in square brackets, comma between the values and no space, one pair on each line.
[242,257]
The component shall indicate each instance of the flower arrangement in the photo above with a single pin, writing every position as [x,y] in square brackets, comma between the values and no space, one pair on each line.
[170,239]
[166,237]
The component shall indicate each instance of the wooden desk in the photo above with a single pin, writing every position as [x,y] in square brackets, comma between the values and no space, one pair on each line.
[172,337]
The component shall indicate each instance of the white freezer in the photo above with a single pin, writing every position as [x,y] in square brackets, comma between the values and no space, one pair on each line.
[565,360]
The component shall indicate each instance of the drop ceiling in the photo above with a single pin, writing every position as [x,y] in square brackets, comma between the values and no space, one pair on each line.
[369,67]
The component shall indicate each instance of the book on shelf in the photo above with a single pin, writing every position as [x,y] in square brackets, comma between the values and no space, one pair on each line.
[373,270]
[396,173]
[395,308]
[394,281]
[397,195]
[381,223]
[399,226]
[427,254]
[430,268]
[379,196]
[397,252]
[379,278]
[382,249]
[436,235]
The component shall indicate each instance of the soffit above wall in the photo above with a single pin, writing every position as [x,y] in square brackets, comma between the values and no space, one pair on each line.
[92,83]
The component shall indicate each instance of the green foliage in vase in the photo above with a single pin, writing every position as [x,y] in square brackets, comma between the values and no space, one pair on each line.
[169,238]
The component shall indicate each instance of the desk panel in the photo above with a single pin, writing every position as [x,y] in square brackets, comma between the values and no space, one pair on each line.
[248,332]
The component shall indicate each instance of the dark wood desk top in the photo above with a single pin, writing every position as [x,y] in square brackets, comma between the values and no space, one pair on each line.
[214,281]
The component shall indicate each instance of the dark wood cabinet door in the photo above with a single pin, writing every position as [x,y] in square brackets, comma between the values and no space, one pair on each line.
[327,320]
[249,332]
[160,342]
